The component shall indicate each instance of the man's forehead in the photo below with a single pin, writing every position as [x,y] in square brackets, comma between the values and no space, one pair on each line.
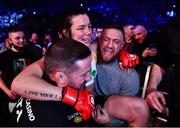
[80,20]
[138,29]
[113,33]
[16,33]
[84,65]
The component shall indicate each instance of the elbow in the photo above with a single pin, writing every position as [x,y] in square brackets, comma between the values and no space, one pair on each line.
[15,86]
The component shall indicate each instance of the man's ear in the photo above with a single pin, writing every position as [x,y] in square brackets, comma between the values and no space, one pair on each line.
[61,79]
[9,40]
[146,32]
[66,32]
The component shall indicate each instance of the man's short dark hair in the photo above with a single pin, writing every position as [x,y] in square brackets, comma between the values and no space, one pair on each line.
[63,55]
[114,26]
[15,29]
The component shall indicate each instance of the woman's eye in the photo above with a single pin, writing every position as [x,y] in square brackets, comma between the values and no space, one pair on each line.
[80,28]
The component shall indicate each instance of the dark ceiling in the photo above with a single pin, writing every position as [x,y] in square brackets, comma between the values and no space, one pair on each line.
[58,5]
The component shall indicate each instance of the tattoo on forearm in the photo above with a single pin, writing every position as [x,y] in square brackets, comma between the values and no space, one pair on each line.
[41,94]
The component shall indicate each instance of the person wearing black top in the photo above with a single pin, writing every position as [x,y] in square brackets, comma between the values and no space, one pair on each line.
[12,61]
[145,44]
[66,69]
[168,62]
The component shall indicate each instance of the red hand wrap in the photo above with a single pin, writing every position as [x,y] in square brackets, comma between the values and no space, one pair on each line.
[72,98]
[82,100]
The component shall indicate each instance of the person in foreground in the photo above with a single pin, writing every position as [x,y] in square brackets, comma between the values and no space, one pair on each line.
[115,87]
[80,30]
[128,112]
[68,70]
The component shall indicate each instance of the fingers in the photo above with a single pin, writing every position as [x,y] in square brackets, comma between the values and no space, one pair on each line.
[95,113]
[99,111]
[125,69]
[154,99]
[162,99]
[13,95]
[101,116]
[129,70]
[120,65]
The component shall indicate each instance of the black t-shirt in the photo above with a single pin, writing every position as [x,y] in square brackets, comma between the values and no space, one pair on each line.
[11,63]
[149,42]
[46,113]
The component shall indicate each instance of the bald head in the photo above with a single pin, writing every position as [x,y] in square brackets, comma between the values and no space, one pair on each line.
[139,33]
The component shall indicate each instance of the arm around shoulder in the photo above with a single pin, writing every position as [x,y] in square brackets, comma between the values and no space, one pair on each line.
[29,84]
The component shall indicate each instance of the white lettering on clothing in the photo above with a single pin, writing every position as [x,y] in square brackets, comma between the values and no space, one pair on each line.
[19,113]
[29,110]
[19,106]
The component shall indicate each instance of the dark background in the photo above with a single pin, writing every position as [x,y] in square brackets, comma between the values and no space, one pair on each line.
[41,14]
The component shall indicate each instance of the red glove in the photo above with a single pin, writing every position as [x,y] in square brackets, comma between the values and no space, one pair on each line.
[128,60]
[82,100]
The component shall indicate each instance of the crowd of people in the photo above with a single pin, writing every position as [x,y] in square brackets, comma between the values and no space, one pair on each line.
[82,80]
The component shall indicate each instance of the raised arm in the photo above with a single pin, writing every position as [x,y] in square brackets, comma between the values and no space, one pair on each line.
[29,84]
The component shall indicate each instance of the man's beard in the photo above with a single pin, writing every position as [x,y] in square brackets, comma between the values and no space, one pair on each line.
[101,60]
[109,61]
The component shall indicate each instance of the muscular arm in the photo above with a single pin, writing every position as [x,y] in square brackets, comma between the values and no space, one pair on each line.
[134,110]
[30,85]
[154,98]
[155,77]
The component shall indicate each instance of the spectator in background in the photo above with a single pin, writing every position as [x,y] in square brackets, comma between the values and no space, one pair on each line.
[2,47]
[35,41]
[145,44]
[128,35]
[12,61]
[35,46]
[47,40]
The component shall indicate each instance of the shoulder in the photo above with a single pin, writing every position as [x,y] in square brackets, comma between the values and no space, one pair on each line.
[6,53]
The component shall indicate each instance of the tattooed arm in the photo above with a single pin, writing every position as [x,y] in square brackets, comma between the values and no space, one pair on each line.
[29,84]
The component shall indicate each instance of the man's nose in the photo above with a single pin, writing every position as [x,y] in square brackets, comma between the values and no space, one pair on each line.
[110,44]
